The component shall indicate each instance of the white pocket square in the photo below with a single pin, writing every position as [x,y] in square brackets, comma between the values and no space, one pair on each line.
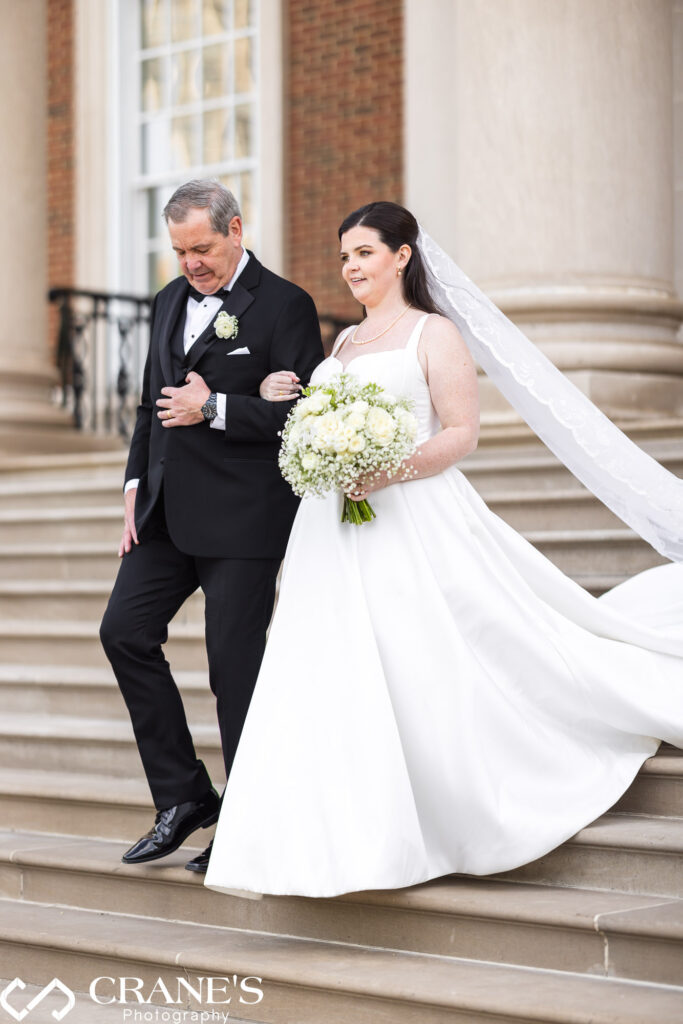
[239,352]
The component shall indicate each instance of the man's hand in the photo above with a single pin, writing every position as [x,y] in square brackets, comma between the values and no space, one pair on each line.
[182,407]
[130,535]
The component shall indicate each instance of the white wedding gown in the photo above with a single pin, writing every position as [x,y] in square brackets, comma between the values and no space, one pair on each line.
[436,696]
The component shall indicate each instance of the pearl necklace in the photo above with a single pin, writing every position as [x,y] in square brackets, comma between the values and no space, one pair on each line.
[388,328]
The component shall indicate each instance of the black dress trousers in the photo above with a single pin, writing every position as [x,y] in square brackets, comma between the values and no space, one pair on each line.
[154,580]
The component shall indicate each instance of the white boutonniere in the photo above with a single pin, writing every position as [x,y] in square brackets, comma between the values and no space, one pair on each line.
[226,326]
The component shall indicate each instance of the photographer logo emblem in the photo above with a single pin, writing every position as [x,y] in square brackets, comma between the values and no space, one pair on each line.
[55,984]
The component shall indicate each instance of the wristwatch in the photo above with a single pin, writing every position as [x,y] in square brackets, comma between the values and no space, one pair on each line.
[210,407]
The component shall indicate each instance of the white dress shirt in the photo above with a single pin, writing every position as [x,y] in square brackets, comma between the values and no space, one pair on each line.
[198,315]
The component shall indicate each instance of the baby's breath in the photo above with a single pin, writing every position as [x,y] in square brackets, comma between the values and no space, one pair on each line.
[341,431]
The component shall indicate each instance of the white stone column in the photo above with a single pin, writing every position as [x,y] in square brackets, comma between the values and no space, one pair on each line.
[540,154]
[27,374]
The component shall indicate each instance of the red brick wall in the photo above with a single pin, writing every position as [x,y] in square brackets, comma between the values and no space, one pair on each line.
[60,146]
[344,131]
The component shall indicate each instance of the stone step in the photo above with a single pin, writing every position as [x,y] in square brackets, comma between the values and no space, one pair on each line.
[310,981]
[601,552]
[54,492]
[532,510]
[75,466]
[79,600]
[583,931]
[590,552]
[658,787]
[66,642]
[61,525]
[91,805]
[521,468]
[552,510]
[627,852]
[100,746]
[52,561]
[89,692]
[75,803]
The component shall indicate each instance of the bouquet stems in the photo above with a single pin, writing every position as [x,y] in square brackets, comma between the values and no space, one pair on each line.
[357,512]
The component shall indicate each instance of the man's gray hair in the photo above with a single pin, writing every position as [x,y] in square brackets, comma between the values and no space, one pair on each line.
[202,194]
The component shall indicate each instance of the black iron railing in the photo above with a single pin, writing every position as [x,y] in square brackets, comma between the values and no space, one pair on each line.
[102,340]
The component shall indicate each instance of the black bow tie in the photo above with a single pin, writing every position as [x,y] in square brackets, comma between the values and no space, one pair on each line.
[198,297]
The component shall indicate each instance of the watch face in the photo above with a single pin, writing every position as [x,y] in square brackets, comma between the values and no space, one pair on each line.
[209,409]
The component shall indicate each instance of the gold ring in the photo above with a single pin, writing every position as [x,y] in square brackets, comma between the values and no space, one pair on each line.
[169,415]
[280,392]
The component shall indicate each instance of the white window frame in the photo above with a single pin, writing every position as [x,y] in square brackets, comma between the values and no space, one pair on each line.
[126,208]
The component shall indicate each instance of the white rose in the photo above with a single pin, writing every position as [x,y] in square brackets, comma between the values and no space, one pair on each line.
[310,461]
[409,422]
[318,402]
[302,408]
[326,429]
[295,432]
[226,326]
[355,420]
[381,426]
[356,443]
[358,406]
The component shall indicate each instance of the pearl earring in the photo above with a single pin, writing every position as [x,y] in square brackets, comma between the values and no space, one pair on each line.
[399,272]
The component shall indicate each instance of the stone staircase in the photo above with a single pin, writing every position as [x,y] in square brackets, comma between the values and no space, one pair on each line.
[593,932]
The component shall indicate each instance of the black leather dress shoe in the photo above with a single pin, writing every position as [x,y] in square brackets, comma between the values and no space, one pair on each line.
[172,827]
[201,862]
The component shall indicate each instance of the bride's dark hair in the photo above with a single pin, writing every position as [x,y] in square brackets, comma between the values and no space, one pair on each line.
[396,226]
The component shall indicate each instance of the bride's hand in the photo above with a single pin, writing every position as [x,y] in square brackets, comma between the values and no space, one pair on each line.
[281,386]
[366,485]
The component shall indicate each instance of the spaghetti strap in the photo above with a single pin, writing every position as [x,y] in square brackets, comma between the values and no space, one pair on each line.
[415,335]
[341,339]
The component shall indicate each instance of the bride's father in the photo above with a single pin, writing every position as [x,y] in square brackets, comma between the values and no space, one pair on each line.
[205,504]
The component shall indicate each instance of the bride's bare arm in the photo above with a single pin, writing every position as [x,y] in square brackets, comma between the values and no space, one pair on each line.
[452,379]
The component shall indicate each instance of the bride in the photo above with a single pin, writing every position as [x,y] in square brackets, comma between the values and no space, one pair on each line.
[436,696]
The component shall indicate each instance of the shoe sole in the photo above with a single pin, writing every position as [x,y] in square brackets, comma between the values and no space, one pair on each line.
[207,823]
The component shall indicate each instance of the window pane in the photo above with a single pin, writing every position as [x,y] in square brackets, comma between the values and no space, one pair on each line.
[216,69]
[156,201]
[184,20]
[232,183]
[184,142]
[247,202]
[244,73]
[153,84]
[185,77]
[215,17]
[244,13]
[244,134]
[154,146]
[217,146]
[154,21]
[162,268]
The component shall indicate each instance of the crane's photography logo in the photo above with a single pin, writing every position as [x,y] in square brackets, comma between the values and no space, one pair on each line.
[52,986]
[163,1002]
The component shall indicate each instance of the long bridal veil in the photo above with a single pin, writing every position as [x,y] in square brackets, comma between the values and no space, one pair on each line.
[643,494]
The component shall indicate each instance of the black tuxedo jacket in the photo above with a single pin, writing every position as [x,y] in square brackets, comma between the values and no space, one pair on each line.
[223,493]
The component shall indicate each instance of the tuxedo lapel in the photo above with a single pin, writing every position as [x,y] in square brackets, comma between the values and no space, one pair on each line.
[169,318]
[236,302]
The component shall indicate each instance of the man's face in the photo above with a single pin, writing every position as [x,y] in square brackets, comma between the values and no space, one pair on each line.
[207,259]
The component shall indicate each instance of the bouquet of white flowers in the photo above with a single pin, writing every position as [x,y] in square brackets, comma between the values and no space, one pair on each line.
[341,431]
